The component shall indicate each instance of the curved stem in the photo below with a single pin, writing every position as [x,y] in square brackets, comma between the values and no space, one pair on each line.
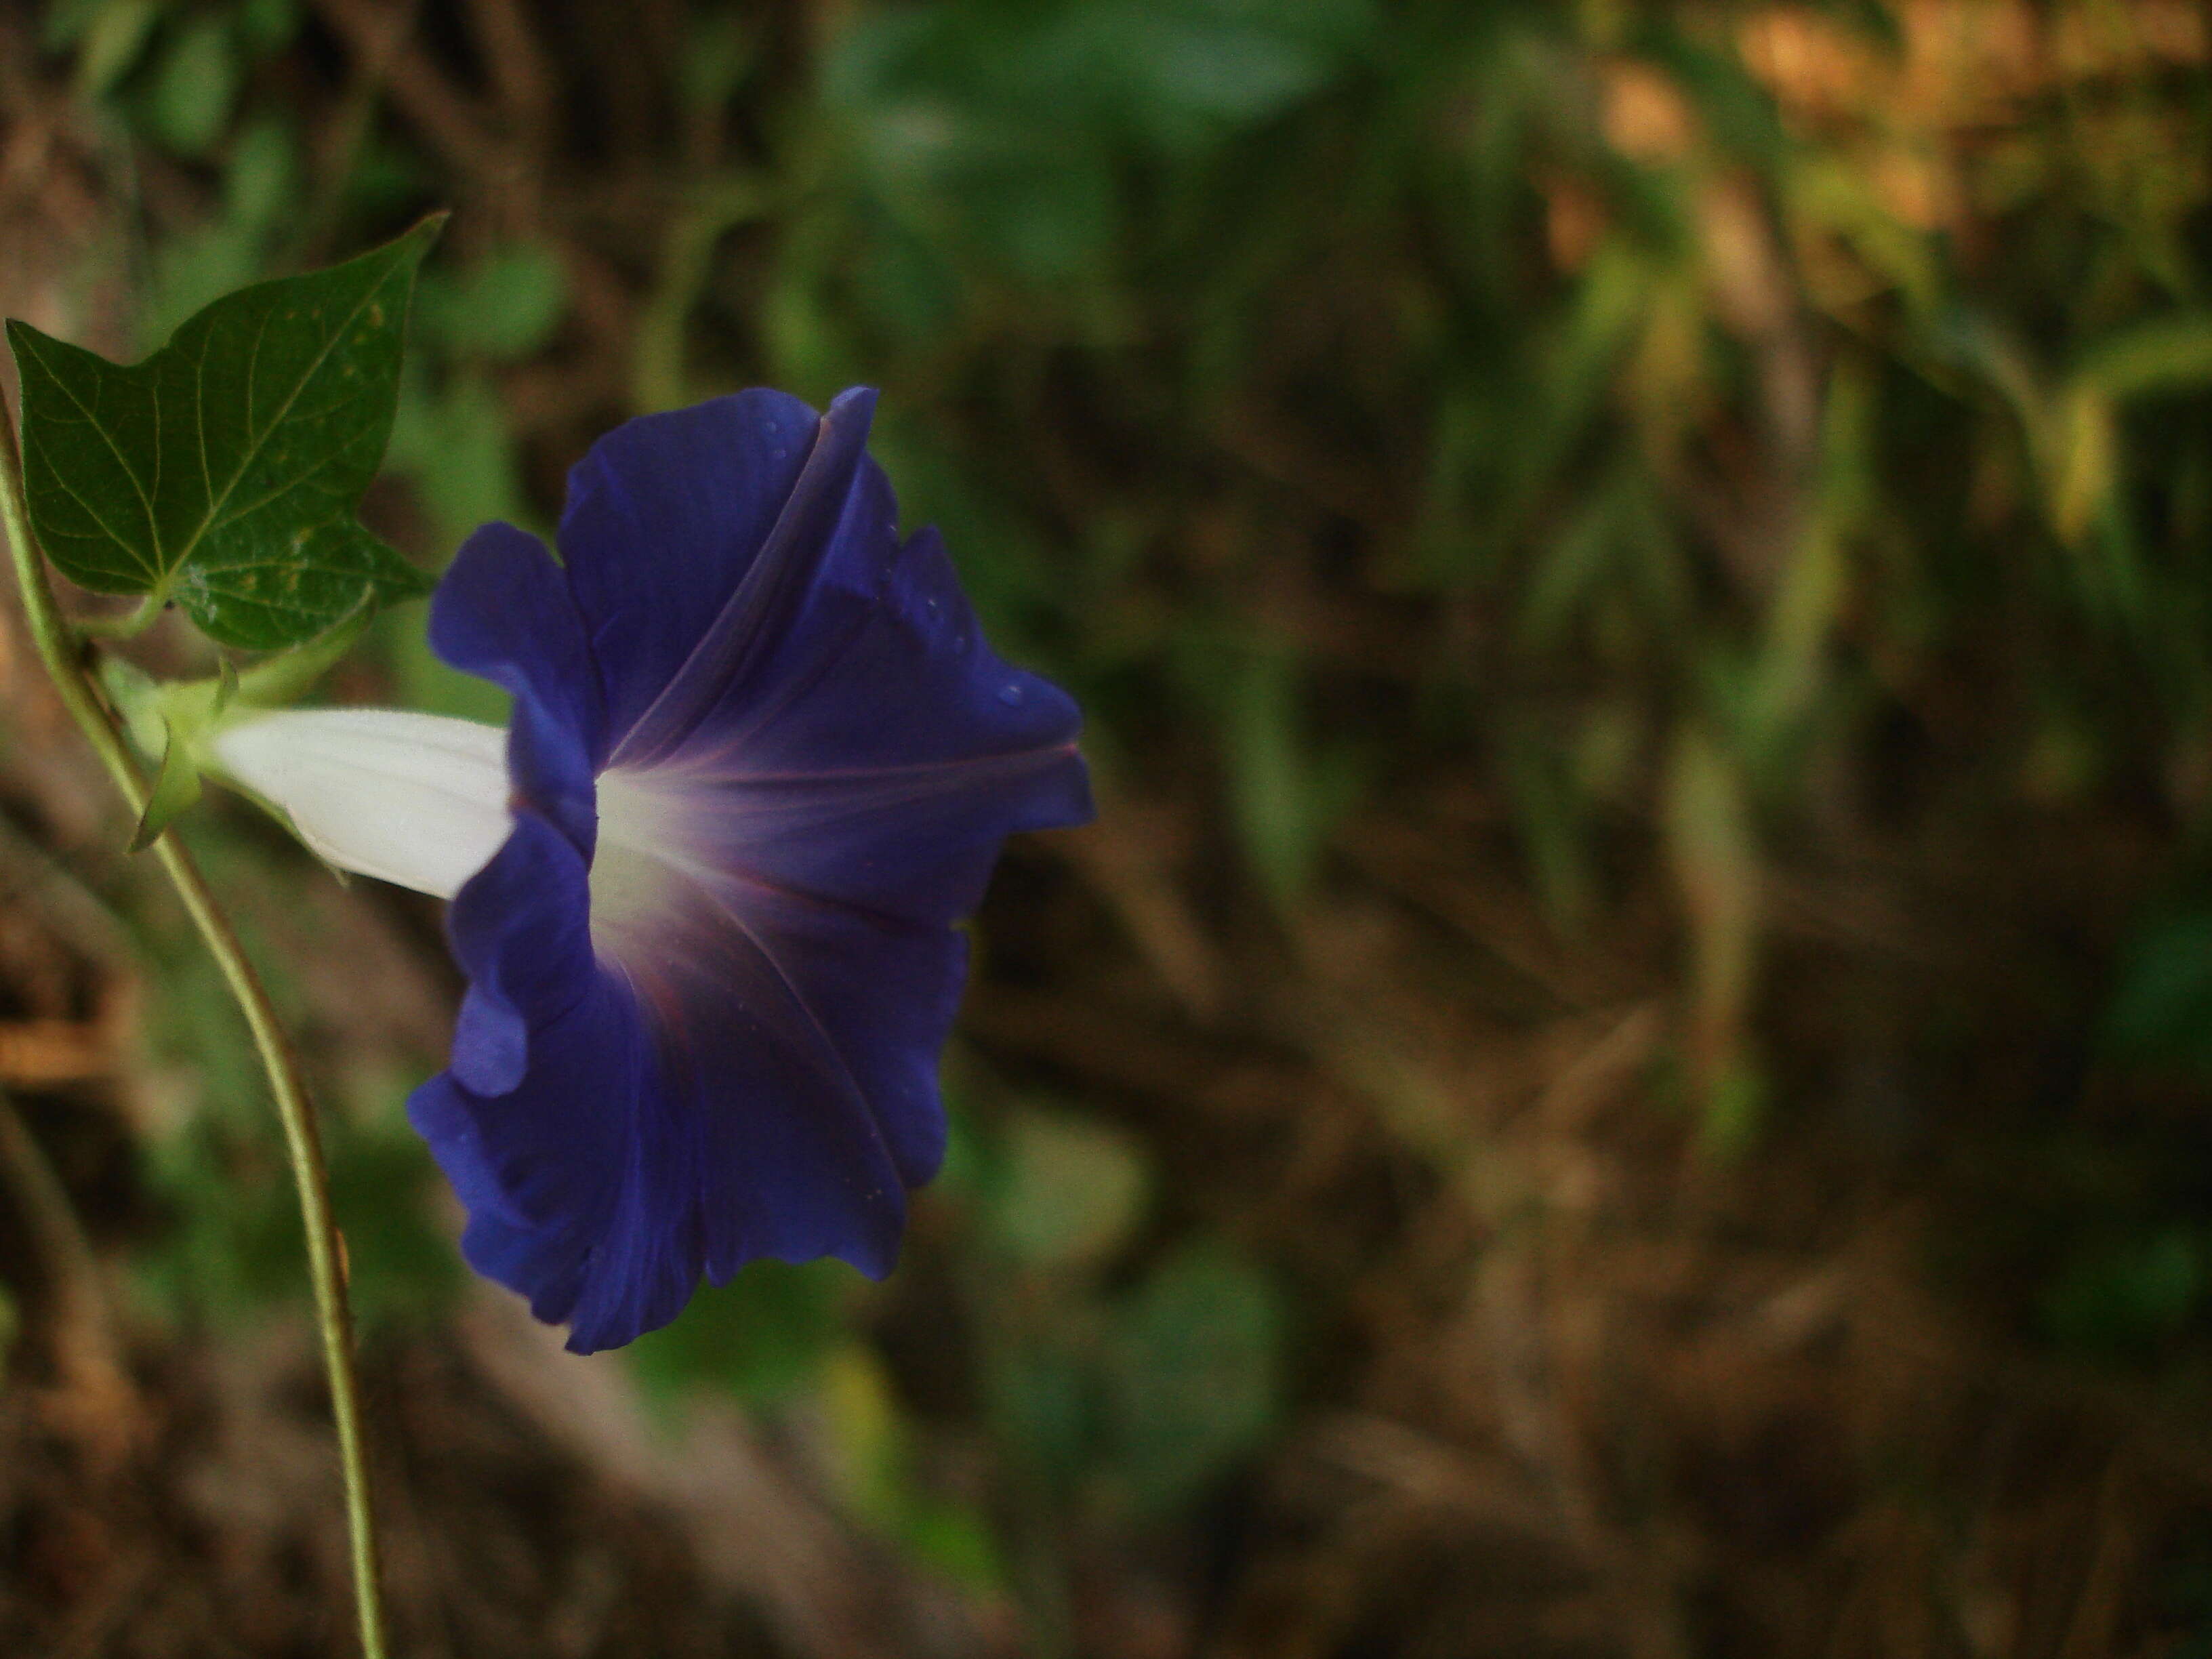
[63,652]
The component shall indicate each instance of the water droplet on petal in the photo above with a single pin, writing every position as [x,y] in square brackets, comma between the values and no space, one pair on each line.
[1010,694]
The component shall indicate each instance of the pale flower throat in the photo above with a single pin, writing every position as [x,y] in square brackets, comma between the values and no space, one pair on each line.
[422,800]
[646,872]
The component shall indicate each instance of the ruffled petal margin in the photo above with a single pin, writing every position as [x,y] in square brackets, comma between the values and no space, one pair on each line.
[503,611]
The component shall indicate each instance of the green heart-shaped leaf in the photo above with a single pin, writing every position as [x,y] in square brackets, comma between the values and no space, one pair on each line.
[222,472]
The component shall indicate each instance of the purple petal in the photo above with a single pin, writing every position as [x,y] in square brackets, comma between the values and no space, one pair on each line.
[878,999]
[576,1185]
[810,1123]
[858,1007]
[519,929]
[907,752]
[666,516]
[733,664]
[764,1086]
[503,611]
[592,1169]
[762,1082]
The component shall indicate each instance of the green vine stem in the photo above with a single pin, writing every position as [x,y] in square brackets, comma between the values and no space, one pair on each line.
[63,650]
[128,625]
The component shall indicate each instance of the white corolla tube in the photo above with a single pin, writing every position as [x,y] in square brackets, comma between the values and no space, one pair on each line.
[417,800]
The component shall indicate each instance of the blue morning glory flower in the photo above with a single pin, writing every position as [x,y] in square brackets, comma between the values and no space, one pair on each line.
[761,763]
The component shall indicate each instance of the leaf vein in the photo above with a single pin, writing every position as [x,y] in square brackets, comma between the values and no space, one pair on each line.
[257,444]
[153,534]
[91,512]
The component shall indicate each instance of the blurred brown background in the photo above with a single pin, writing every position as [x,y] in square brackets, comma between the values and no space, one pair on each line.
[1625,1071]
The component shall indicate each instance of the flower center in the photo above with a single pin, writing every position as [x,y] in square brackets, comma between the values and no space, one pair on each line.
[648,857]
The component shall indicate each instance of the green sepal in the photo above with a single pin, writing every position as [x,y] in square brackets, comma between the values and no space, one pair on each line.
[175,787]
[158,722]
[222,472]
[140,699]
[176,719]
[195,707]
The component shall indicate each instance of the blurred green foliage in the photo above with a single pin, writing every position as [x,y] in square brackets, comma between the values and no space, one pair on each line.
[1748,442]
[762,1337]
[1124,1389]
